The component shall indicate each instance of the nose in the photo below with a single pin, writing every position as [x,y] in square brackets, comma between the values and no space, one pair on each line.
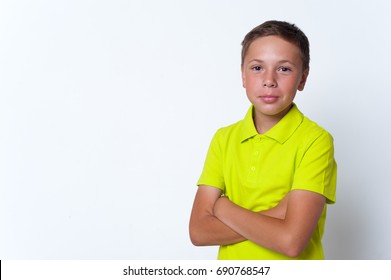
[269,80]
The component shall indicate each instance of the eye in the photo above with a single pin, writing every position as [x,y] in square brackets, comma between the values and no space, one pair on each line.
[256,68]
[284,69]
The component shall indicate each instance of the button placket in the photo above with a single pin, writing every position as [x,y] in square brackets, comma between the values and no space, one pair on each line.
[254,160]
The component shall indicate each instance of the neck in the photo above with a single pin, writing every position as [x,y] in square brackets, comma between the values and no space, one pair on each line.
[263,123]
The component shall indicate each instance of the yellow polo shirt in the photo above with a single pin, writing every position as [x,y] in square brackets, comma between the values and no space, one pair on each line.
[257,170]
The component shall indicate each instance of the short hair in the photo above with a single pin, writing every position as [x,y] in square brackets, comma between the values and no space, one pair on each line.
[286,31]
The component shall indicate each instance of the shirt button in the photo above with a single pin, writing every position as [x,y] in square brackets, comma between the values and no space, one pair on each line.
[253,168]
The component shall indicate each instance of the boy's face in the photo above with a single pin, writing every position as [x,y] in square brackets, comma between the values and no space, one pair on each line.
[271,74]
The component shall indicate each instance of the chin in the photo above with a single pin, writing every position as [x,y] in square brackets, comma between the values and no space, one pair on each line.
[272,112]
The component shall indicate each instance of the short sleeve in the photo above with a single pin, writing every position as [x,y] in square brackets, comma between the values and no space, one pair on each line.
[317,169]
[212,173]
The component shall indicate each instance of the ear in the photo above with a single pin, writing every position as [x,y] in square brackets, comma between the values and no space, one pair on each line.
[243,76]
[303,79]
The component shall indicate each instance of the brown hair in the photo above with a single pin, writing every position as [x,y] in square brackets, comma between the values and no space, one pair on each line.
[286,31]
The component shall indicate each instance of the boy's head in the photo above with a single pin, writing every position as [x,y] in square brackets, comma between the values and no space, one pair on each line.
[284,30]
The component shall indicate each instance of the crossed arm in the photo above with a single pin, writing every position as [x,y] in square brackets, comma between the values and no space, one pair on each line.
[286,228]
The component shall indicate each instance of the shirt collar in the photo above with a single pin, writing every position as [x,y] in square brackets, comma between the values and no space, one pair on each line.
[280,132]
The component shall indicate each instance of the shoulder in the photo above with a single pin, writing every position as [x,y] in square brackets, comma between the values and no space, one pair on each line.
[314,143]
[312,131]
[239,130]
[225,135]
[229,130]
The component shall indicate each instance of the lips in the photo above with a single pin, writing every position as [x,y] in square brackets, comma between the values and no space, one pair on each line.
[269,98]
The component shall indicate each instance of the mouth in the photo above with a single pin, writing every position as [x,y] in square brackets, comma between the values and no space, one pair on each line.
[269,99]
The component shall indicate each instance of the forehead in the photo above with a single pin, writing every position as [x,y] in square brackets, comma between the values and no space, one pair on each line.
[270,47]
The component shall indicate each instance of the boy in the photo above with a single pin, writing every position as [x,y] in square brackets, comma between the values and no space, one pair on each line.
[267,179]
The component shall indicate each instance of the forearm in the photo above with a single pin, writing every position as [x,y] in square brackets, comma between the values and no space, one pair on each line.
[261,228]
[209,230]
[278,212]
[288,235]
[205,228]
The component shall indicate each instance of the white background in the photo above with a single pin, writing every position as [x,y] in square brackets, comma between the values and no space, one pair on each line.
[107,109]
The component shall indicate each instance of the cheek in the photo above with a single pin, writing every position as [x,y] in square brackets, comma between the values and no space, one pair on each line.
[291,83]
[249,82]
[244,80]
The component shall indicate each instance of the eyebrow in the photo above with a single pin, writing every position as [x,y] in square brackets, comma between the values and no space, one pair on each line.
[280,61]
